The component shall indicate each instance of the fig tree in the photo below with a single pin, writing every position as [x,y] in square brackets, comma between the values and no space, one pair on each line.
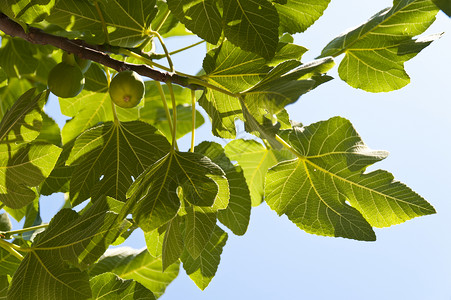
[65,80]
[127,89]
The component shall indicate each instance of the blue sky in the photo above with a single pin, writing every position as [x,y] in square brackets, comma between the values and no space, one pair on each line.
[276,260]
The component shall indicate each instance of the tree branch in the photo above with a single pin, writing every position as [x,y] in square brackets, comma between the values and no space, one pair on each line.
[87,51]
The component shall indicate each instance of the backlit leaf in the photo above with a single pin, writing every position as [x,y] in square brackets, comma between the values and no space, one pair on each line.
[376,50]
[201,17]
[252,25]
[297,15]
[127,21]
[138,265]
[203,269]
[237,214]
[255,160]
[109,285]
[108,157]
[155,190]
[49,270]
[325,190]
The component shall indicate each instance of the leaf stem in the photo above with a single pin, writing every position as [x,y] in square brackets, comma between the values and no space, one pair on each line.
[186,48]
[165,104]
[168,56]
[158,27]
[19,231]
[105,30]
[174,116]
[144,59]
[113,106]
[288,146]
[193,118]
[8,247]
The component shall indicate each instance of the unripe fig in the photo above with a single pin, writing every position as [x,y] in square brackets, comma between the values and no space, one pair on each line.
[127,89]
[74,60]
[65,80]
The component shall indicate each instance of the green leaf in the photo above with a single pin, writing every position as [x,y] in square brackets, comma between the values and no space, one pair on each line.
[255,160]
[22,123]
[4,285]
[59,178]
[172,244]
[27,11]
[199,226]
[235,70]
[298,15]
[138,265]
[108,156]
[19,58]
[92,106]
[444,5]
[376,50]
[155,114]
[127,21]
[223,111]
[237,214]
[201,17]
[48,270]
[155,190]
[203,269]
[50,131]
[252,26]
[28,167]
[8,263]
[109,285]
[325,190]
[11,92]
[154,241]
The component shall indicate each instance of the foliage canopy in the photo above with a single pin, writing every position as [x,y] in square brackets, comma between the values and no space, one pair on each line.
[121,168]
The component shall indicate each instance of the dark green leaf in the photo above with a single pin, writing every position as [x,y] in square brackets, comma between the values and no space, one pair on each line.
[19,58]
[110,286]
[201,17]
[108,156]
[155,190]
[223,111]
[128,21]
[325,190]
[252,26]
[237,214]
[376,50]
[203,269]
[138,265]
[298,15]
[4,285]
[49,270]
[199,226]
[8,263]
[444,5]
[172,244]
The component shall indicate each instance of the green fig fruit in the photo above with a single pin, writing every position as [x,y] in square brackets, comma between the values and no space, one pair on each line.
[65,80]
[74,60]
[127,89]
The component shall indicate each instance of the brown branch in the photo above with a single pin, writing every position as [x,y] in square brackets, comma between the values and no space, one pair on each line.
[87,51]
